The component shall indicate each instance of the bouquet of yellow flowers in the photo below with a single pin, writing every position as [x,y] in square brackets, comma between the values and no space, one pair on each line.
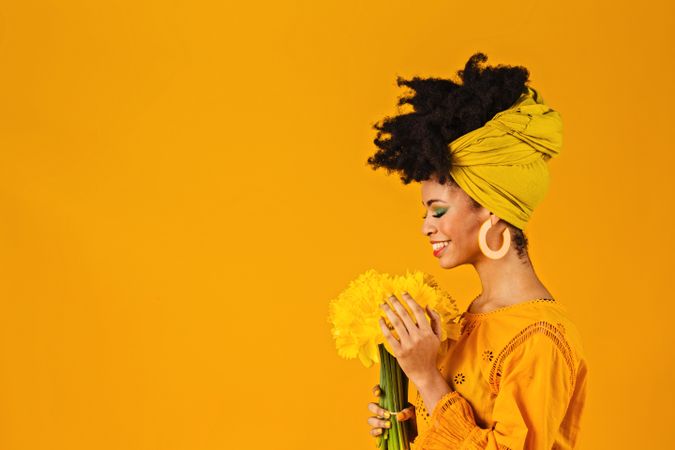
[355,315]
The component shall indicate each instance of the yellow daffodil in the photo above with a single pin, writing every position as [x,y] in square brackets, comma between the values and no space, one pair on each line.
[355,312]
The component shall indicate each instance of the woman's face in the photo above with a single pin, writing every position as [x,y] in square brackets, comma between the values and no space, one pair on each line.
[450,216]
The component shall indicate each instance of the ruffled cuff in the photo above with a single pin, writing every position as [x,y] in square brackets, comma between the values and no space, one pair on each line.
[452,426]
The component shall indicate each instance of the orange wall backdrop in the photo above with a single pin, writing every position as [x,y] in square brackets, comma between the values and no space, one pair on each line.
[183,189]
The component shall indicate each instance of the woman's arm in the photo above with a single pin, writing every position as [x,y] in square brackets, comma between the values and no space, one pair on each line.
[433,389]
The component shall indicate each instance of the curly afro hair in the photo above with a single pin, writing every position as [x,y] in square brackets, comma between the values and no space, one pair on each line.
[417,143]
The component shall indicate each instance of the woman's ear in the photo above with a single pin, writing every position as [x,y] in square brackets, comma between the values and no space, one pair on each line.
[494,219]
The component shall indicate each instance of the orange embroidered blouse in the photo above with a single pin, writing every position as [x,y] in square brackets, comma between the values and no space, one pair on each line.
[518,377]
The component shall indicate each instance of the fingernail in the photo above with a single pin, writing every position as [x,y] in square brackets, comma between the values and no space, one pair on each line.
[387,425]
[387,414]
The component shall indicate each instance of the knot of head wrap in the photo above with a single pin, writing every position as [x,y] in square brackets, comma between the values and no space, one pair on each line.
[503,164]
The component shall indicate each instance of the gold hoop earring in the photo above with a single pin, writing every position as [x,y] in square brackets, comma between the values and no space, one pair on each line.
[482,241]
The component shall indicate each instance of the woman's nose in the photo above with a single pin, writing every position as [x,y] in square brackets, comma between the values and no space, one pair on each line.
[427,229]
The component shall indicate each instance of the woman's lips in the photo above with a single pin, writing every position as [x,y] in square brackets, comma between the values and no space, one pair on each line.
[438,252]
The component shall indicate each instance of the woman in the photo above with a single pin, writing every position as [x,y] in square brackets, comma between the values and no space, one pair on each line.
[514,374]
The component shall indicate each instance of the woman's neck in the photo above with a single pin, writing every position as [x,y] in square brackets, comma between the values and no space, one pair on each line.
[505,282]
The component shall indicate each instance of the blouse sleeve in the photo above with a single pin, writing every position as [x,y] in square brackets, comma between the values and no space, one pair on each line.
[536,385]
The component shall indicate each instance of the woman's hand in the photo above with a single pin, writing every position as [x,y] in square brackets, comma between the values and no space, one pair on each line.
[419,343]
[383,417]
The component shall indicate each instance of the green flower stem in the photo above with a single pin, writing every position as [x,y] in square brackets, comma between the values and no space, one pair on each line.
[394,397]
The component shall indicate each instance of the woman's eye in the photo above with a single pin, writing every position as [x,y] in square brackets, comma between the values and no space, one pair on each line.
[439,213]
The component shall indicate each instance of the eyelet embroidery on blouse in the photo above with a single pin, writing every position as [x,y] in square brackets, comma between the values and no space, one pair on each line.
[469,321]
[459,378]
[548,329]
[488,355]
[420,410]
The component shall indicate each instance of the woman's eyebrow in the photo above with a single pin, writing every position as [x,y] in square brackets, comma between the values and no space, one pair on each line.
[429,202]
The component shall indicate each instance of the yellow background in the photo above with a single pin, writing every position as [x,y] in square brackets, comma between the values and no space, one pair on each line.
[183,189]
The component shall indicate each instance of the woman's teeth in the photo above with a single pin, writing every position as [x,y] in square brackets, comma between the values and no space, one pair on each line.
[439,245]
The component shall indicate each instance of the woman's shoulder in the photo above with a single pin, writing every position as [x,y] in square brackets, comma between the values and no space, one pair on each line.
[517,338]
[555,321]
[513,325]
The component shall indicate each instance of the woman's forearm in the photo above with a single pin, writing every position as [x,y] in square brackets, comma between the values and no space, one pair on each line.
[433,389]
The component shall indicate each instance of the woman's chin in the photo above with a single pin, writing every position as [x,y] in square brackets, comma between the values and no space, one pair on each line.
[447,262]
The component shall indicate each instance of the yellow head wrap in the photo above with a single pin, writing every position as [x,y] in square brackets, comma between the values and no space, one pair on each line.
[503,164]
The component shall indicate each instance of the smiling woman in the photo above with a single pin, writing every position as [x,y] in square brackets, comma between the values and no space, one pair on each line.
[516,375]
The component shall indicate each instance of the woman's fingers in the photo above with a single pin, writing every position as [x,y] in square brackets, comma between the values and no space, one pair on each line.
[406,413]
[393,342]
[396,321]
[416,310]
[376,422]
[377,409]
[383,417]
[376,431]
[435,321]
[403,315]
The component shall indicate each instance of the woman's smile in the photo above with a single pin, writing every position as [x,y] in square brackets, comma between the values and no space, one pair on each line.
[440,247]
